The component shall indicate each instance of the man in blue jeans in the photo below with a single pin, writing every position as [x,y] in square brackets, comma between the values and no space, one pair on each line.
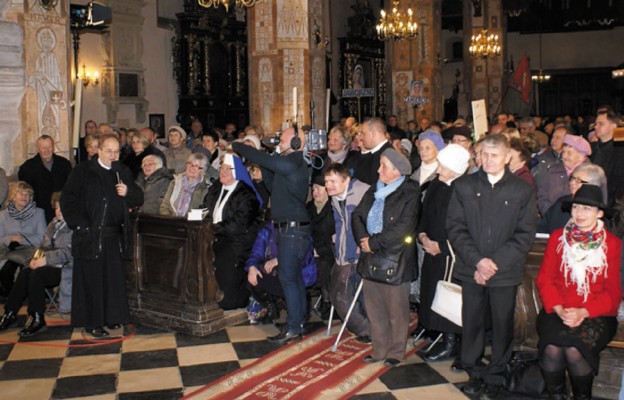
[286,177]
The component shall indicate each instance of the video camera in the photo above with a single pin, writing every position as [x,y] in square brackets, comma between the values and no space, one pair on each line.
[315,140]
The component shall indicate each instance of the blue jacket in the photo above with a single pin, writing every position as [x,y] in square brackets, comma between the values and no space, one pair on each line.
[265,248]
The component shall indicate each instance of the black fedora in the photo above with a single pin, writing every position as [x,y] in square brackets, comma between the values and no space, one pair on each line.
[589,195]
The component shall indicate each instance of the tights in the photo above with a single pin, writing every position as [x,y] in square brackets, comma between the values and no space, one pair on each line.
[557,358]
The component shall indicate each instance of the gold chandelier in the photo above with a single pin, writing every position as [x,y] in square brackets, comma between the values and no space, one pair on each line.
[396,24]
[226,3]
[484,45]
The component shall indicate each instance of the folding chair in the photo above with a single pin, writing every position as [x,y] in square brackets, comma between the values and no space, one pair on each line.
[53,306]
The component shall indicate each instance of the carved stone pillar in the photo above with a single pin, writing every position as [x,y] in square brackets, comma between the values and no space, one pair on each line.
[485,76]
[11,86]
[283,54]
[45,109]
[122,74]
[416,60]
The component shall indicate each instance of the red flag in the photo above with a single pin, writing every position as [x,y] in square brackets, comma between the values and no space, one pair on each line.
[521,79]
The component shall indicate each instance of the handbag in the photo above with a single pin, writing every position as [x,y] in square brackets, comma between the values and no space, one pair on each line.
[524,375]
[21,255]
[447,301]
[376,268]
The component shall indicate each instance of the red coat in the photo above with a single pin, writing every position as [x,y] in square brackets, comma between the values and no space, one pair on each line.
[606,292]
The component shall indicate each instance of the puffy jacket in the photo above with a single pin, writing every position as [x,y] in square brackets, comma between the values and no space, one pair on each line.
[491,221]
[265,248]
[345,248]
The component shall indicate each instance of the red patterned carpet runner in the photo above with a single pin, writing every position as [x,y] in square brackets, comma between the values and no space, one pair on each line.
[308,369]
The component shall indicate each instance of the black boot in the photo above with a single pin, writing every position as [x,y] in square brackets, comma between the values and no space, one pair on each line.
[9,318]
[555,384]
[582,386]
[35,324]
[445,350]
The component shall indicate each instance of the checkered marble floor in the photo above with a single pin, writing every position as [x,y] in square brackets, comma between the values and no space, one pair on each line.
[162,365]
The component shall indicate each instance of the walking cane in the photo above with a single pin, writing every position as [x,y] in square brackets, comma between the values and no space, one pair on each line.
[346,319]
[329,323]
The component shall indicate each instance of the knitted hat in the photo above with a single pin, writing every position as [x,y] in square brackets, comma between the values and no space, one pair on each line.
[407,145]
[454,157]
[178,129]
[434,137]
[578,143]
[399,161]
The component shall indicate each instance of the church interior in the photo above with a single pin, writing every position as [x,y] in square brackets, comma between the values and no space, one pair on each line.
[157,63]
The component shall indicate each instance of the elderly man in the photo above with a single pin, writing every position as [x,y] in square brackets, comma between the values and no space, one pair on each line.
[346,193]
[338,143]
[155,147]
[491,224]
[154,180]
[608,154]
[576,151]
[286,177]
[177,152]
[46,173]
[364,167]
[552,155]
[195,136]
[95,205]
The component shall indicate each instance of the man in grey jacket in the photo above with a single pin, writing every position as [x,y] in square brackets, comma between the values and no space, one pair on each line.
[491,225]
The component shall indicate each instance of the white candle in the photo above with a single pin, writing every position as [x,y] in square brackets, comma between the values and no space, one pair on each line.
[295,104]
[328,100]
[77,112]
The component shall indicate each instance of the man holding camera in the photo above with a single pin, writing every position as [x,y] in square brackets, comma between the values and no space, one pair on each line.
[286,177]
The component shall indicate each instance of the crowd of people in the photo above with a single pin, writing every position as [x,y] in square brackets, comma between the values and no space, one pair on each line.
[373,230]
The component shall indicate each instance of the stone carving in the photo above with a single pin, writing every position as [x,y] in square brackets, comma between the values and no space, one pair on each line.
[265,80]
[46,82]
[292,20]
[11,85]
[401,80]
[264,25]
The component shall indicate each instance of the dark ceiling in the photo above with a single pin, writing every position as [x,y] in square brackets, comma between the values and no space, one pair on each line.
[545,16]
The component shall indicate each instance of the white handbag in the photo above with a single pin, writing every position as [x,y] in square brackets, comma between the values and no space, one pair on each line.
[447,301]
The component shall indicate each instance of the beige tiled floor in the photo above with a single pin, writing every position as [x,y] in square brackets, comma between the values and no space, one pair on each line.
[90,365]
[154,379]
[152,342]
[209,353]
[27,389]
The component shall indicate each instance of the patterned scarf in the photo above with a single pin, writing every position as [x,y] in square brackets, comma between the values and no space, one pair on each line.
[374,221]
[584,256]
[23,214]
[183,201]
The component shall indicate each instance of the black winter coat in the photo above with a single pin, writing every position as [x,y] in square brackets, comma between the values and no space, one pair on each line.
[323,228]
[45,182]
[84,207]
[400,217]
[491,221]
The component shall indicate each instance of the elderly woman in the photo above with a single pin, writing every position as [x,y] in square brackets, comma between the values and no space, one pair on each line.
[187,190]
[429,144]
[22,223]
[177,153]
[579,284]
[140,149]
[154,180]
[338,144]
[556,216]
[384,226]
[233,204]
[453,161]
[520,160]
[53,266]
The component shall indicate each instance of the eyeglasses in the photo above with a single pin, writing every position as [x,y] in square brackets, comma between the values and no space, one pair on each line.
[195,166]
[574,179]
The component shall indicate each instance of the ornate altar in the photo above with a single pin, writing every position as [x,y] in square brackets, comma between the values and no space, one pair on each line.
[210,56]
[171,282]
[363,66]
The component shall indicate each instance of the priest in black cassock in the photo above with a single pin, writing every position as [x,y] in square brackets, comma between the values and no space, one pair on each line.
[95,203]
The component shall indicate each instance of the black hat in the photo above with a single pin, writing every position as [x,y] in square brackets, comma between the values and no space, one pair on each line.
[589,195]
[318,178]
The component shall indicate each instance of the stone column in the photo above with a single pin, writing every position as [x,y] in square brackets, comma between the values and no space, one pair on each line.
[283,55]
[11,86]
[123,54]
[485,76]
[46,105]
[418,59]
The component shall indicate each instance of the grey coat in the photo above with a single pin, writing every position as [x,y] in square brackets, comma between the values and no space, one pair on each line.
[58,254]
[154,188]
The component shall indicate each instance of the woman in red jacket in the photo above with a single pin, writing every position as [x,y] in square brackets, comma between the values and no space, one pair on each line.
[579,283]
